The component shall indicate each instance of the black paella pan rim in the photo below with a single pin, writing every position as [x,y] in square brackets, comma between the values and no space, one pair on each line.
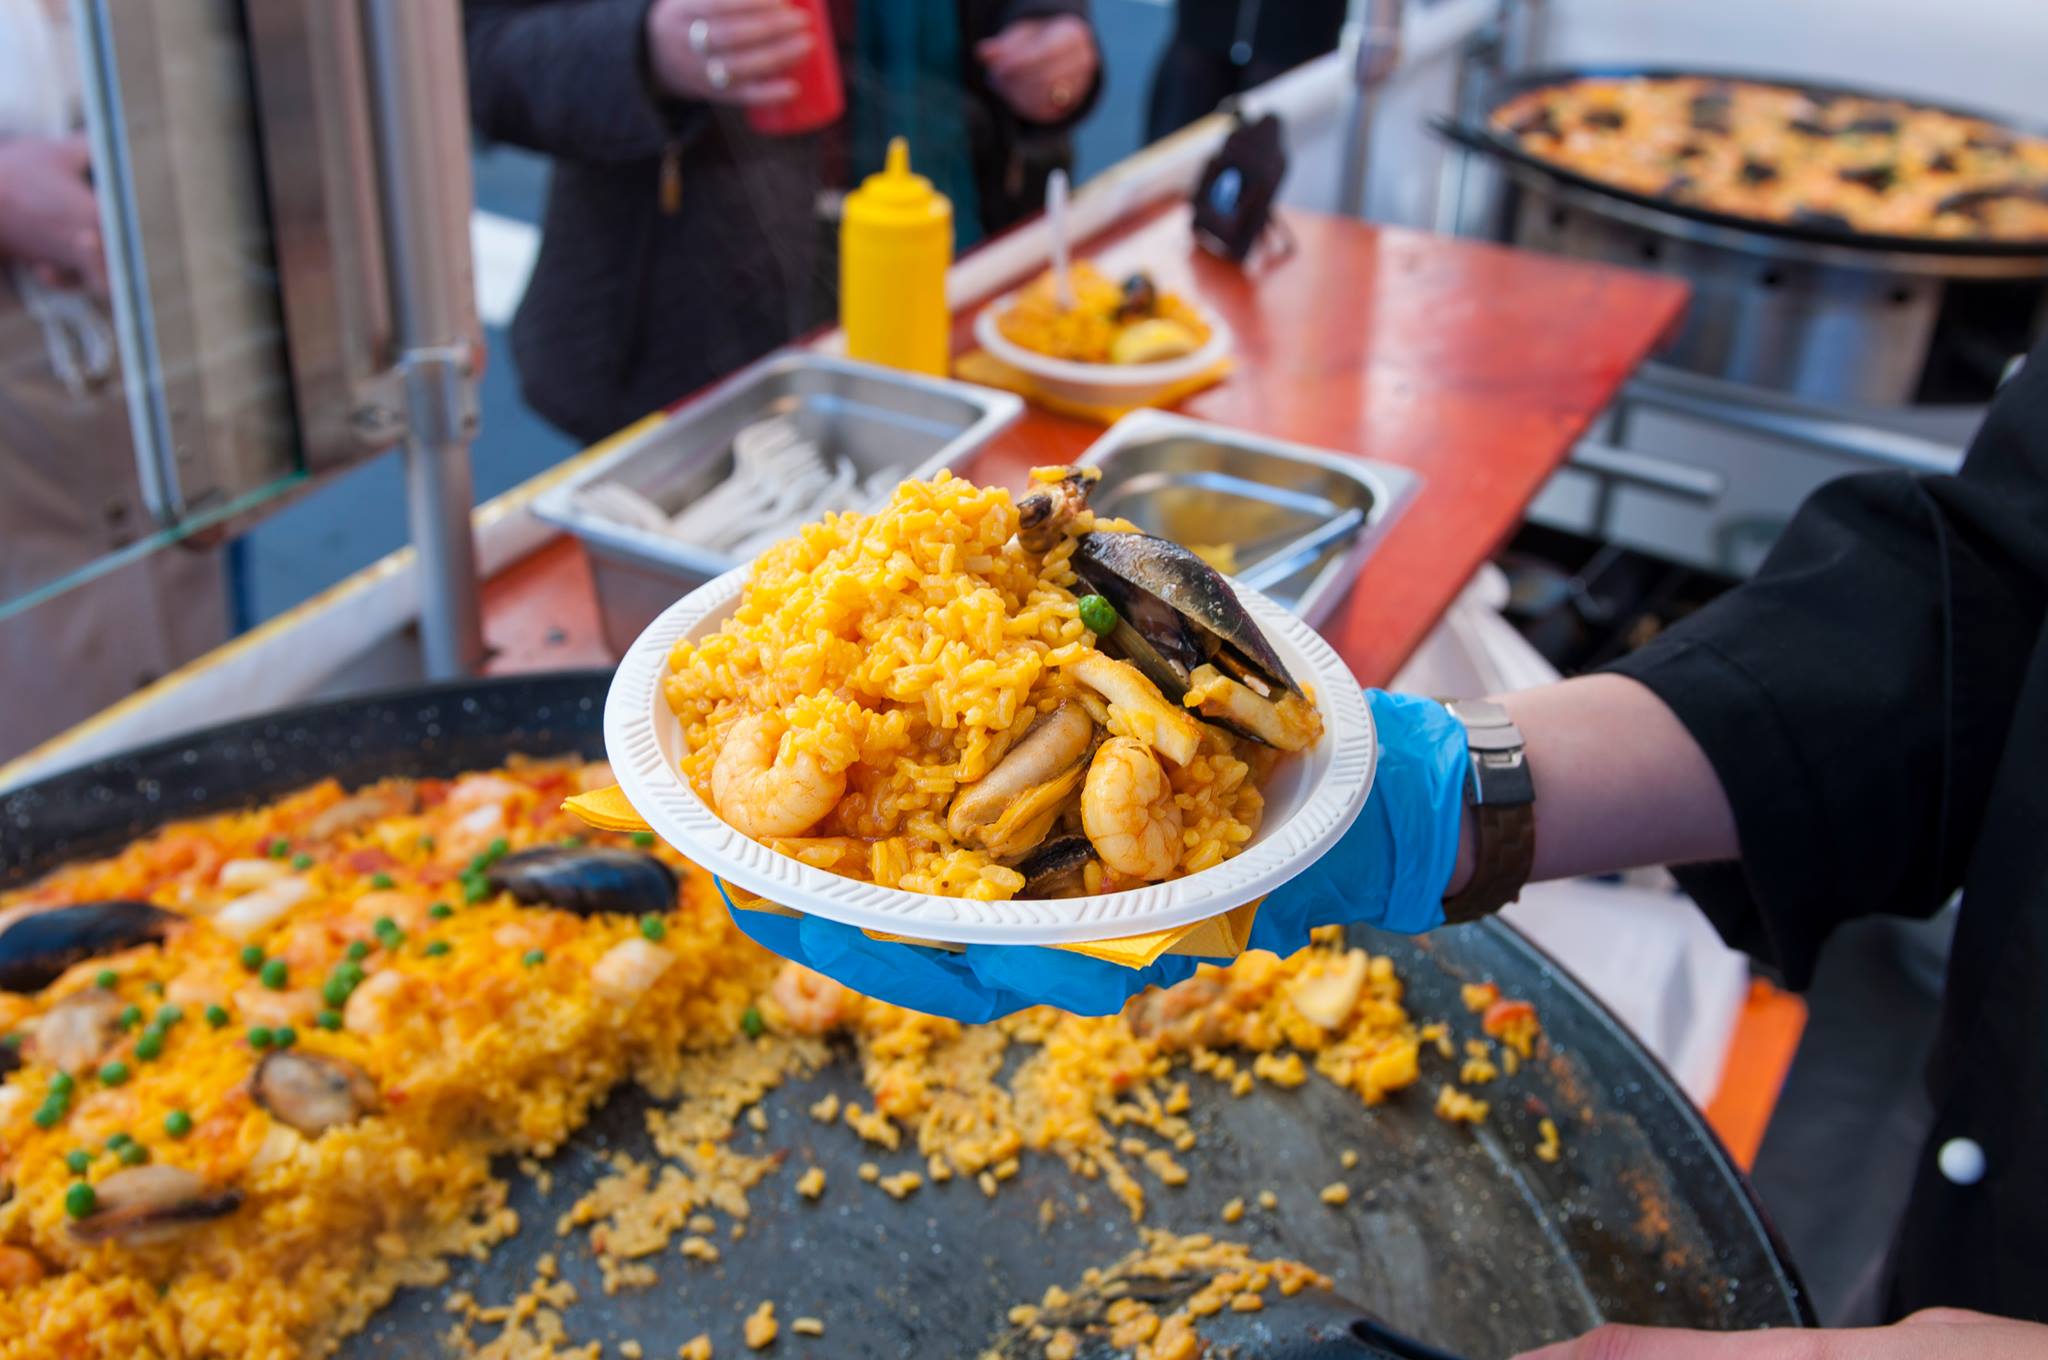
[1485,139]
[442,729]
[446,727]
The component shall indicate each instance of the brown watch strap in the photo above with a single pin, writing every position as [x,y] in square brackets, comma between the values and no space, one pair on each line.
[1503,853]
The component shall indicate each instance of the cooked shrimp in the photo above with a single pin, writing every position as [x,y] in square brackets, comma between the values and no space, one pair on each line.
[200,986]
[1128,811]
[20,1268]
[379,1003]
[482,790]
[764,790]
[408,911]
[258,1005]
[626,970]
[811,1002]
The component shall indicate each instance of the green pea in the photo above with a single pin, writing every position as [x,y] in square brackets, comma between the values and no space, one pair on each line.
[382,882]
[260,1036]
[534,958]
[279,848]
[114,1073]
[386,928]
[475,888]
[1098,615]
[170,1015]
[153,987]
[285,1036]
[61,1083]
[440,911]
[78,1159]
[49,1112]
[177,1123]
[274,974]
[427,844]
[302,861]
[118,1139]
[653,928]
[217,1016]
[80,1200]
[335,990]
[358,949]
[329,1020]
[252,957]
[150,1046]
[129,1018]
[106,980]
[643,839]
[572,842]
[498,849]
[751,1022]
[436,948]
[132,1153]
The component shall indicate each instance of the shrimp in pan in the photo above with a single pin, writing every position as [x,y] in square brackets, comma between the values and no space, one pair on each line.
[764,789]
[1128,811]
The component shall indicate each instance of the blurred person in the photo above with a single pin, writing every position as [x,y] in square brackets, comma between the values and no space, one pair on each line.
[68,487]
[679,244]
[1221,48]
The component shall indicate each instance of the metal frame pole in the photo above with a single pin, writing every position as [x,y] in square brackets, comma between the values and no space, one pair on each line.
[413,57]
[1378,54]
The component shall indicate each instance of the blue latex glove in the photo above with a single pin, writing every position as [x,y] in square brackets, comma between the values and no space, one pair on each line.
[1389,870]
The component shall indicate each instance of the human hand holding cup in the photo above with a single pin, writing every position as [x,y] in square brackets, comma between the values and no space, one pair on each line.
[740,52]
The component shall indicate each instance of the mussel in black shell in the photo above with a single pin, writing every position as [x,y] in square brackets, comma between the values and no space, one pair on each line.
[1011,808]
[37,948]
[312,1092]
[587,880]
[1180,623]
[139,1205]
[1058,868]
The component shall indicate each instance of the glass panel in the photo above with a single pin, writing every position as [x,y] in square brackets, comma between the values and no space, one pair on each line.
[156,406]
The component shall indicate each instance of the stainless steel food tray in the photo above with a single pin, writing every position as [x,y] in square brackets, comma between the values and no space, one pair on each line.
[878,418]
[1301,520]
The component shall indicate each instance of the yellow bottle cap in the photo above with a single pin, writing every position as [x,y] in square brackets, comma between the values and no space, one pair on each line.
[895,196]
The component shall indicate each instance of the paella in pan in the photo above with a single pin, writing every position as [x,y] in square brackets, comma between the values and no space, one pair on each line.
[1779,153]
[259,1065]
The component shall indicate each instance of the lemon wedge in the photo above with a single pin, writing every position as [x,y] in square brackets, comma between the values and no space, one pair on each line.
[1150,341]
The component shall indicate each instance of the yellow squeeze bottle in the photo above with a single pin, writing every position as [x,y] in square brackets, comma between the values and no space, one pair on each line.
[895,246]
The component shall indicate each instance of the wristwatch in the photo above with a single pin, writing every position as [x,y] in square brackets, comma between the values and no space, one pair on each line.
[1502,798]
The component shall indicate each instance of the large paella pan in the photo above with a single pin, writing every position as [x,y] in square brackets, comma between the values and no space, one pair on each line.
[450,1082]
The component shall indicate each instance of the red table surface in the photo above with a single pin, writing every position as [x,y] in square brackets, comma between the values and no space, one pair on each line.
[1474,365]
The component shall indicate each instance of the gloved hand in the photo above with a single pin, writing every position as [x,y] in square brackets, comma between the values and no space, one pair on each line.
[1389,870]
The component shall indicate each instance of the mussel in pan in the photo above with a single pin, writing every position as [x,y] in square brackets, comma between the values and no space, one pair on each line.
[312,1092]
[586,880]
[141,1205]
[37,948]
[1183,627]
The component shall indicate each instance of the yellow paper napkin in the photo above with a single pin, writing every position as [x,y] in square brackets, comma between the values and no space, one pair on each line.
[1219,937]
[979,366]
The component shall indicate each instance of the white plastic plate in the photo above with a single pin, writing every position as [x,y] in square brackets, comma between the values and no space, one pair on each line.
[1115,384]
[1311,800]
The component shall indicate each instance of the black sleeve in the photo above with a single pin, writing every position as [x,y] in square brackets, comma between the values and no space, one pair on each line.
[568,78]
[1854,697]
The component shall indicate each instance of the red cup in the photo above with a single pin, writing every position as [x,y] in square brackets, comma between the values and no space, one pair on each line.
[820,96]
